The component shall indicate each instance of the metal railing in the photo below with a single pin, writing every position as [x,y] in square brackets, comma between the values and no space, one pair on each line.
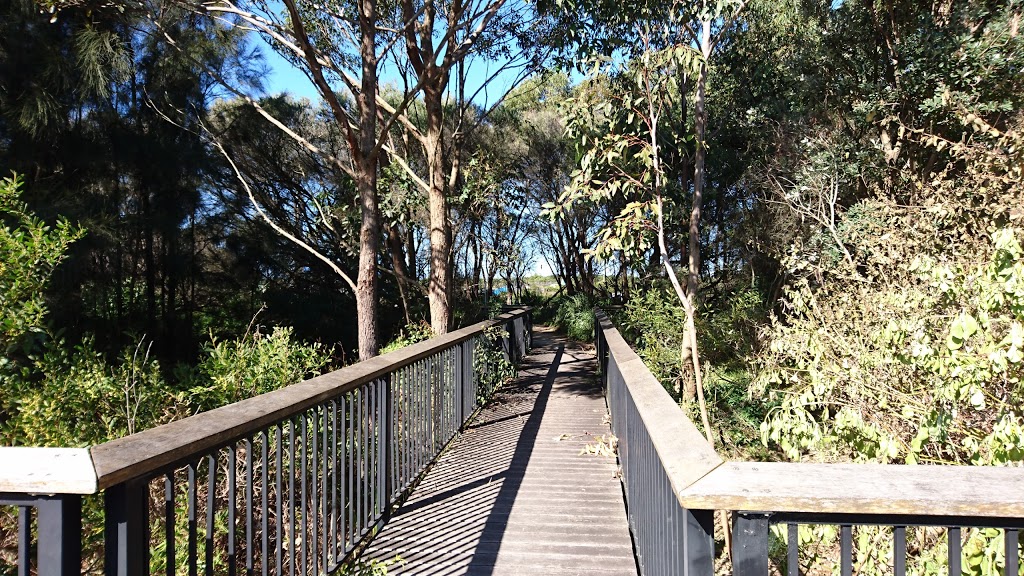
[674,482]
[289,482]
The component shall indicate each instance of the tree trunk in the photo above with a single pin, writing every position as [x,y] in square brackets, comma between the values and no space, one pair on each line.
[439,290]
[398,265]
[366,184]
[700,127]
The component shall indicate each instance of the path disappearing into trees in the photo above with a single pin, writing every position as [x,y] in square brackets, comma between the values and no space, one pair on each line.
[514,494]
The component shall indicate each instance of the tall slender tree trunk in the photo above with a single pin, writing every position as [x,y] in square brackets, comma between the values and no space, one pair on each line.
[700,127]
[366,184]
[439,290]
[398,265]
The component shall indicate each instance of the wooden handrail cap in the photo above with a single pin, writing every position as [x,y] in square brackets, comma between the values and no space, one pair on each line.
[31,470]
[985,491]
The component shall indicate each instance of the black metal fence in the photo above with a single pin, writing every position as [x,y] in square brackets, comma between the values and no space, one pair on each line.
[675,482]
[291,482]
[653,437]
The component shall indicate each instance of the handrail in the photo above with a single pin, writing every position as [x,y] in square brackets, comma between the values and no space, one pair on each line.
[312,469]
[647,421]
[151,450]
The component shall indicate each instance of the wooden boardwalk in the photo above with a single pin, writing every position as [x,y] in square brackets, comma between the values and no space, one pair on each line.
[513,494]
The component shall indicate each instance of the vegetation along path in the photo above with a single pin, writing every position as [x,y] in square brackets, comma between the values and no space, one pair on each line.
[528,488]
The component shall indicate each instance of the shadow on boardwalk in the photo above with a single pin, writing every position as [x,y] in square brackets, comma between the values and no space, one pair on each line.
[513,495]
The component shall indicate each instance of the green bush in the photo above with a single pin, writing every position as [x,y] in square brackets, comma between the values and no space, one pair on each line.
[253,364]
[575,315]
[411,334]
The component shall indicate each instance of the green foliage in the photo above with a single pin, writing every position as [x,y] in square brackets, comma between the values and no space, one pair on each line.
[75,397]
[371,567]
[654,323]
[30,251]
[575,315]
[491,367]
[253,364]
[411,334]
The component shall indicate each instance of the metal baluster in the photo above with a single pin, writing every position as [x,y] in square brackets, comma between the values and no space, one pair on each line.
[279,519]
[349,499]
[291,496]
[954,553]
[249,482]
[846,550]
[24,539]
[335,517]
[303,460]
[313,466]
[193,540]
[357,528]
[323,490]
[371,453]
[265,489]
[169,536]
[211,507]
[232,464]
[899,550]
[793,550]
[1011,551]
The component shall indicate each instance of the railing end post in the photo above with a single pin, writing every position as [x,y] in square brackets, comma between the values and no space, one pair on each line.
[60,535]
[750,543]
[698,544]
[126,531]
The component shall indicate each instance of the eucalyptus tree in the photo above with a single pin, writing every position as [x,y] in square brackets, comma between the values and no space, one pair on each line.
[498,43]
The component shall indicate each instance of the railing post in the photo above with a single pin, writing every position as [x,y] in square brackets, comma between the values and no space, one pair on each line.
[126,507]
[698,544]
[60,535]
[460,379]
[750,544]
[389,444]
[510,331]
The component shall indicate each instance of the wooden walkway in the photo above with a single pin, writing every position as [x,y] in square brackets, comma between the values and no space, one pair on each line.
[513,494]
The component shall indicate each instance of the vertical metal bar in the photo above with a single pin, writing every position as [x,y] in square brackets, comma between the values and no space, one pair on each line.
[303,462]
[846,550]
[899,550]
[24,539]
[169,521]
[232,500]
[59,527]
[334,480]
[357,527]
[211,507]
[291,496]
[193,527]
[1010,537]
[349,496]
[278,519]
[792,549]
[389,424]
[265,502]
[249,512]
[750,543]
[126,527]
[371,455]
[324,478]
[954,552]
[431,397]
[308,457]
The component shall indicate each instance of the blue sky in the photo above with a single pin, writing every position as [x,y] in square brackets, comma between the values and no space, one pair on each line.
[284,77]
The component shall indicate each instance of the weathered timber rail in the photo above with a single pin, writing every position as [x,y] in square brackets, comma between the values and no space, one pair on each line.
[289,482]
[674,482]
